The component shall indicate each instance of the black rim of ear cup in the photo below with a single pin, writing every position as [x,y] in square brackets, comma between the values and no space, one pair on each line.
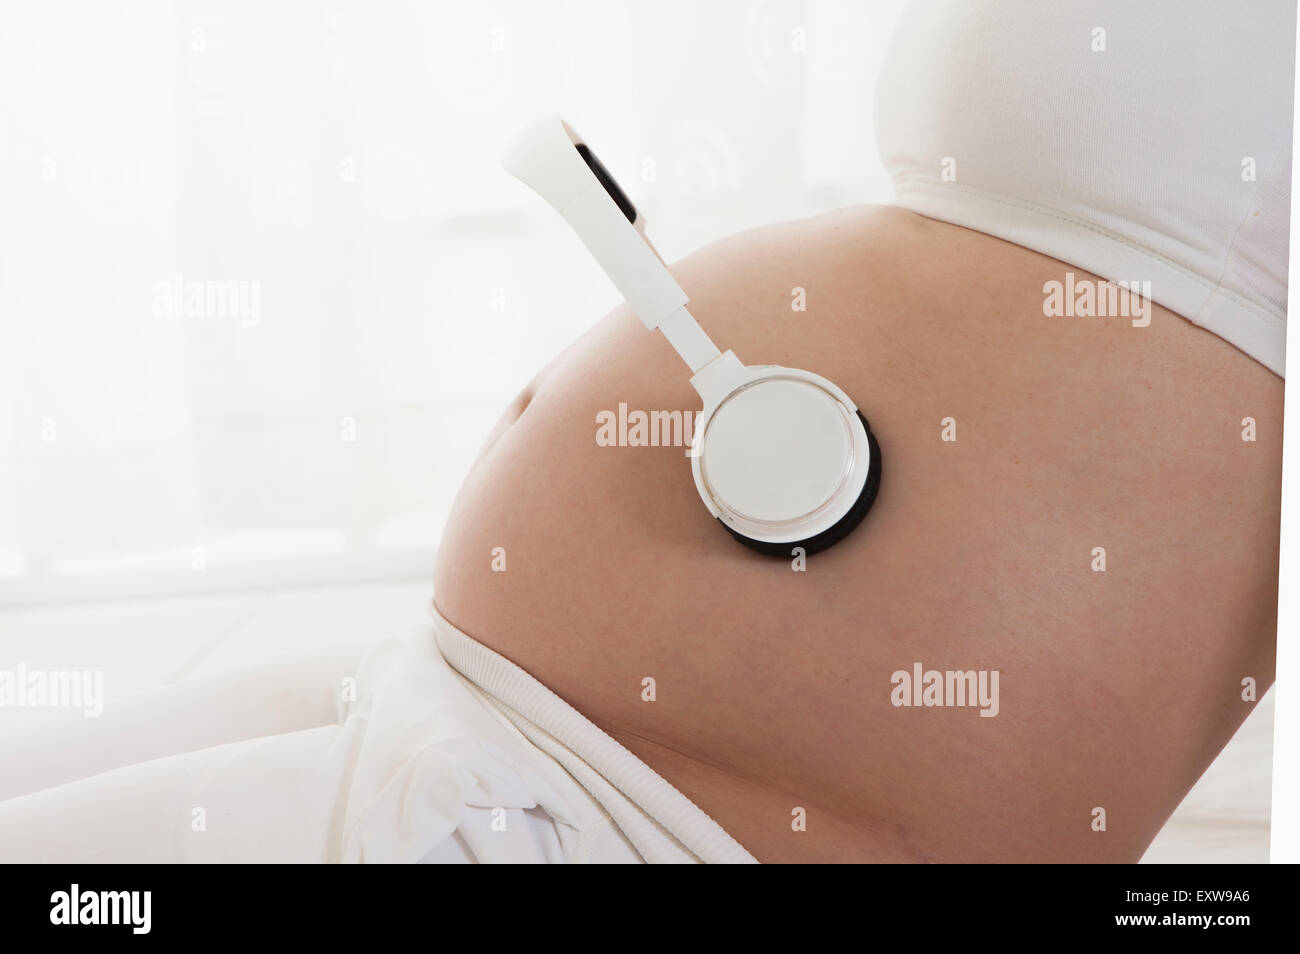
[838,530]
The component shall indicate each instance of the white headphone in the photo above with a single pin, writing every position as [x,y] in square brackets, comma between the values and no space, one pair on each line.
[782,457]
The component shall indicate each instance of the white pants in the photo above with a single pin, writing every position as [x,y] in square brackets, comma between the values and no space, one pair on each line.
[387,758]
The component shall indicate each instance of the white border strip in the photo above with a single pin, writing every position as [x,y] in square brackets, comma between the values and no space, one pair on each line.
[1285,847]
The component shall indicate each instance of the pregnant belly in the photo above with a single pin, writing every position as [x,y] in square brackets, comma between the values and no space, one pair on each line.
[1069,520]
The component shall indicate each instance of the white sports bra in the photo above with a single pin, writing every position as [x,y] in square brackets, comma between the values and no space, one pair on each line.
[1141,141]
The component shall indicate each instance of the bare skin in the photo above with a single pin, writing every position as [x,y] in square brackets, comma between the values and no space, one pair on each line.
[1117,688]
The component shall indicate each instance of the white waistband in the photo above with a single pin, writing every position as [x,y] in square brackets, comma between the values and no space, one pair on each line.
[661,823]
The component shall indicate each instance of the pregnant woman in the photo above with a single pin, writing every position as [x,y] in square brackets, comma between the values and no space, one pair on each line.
[1081,486]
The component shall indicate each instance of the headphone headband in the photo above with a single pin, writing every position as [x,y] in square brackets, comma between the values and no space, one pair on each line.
[551,159]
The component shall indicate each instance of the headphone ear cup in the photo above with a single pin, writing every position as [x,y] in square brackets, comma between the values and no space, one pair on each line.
[842,527]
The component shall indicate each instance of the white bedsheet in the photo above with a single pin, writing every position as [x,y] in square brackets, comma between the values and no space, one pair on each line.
[226,734]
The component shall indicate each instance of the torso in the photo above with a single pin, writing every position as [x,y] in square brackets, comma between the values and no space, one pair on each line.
[773,687]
